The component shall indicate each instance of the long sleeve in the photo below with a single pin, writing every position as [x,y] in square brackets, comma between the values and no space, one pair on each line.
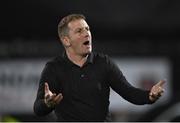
[121,86]
[47,75]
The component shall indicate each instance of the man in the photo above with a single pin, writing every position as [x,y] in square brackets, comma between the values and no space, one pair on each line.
[77,84]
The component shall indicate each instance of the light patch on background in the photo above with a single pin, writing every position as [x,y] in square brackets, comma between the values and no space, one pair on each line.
[137,69]
[19,81]
[18,84]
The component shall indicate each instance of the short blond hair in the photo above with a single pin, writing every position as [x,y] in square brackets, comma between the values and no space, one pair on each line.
[63,24]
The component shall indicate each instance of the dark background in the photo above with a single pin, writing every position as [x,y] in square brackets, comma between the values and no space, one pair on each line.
[125,28]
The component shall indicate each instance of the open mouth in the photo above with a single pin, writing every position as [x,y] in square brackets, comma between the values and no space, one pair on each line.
[86,43]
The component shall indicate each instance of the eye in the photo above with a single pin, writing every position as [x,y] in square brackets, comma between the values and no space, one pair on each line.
[79,30]
[87,28]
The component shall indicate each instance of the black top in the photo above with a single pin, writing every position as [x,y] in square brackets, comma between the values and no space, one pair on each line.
[85,89]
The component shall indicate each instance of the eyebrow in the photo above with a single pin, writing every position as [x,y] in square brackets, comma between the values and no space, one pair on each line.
[80,28]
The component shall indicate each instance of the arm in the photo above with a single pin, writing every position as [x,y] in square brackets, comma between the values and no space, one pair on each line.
[121,86]
[41,106]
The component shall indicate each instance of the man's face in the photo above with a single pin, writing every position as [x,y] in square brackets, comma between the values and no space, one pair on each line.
[79,37]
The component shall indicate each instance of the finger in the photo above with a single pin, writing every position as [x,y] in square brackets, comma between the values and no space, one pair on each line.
[51,99]
[53,96]
[46,87]
[161,92]
[160,89]
[58,98]
[47,96]
[161,83]
[155,96]
[157,93]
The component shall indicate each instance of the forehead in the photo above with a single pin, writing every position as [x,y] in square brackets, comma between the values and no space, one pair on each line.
[80,23]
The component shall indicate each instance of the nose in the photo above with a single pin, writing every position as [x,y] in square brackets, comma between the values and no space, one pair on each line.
[86,33]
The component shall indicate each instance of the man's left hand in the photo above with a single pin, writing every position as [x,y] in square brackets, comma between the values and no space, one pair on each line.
[156,91]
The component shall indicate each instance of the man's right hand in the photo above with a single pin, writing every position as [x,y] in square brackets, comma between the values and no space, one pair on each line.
[51,99]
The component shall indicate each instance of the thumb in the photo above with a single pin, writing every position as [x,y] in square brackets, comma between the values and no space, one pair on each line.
[161,83]
[46,87]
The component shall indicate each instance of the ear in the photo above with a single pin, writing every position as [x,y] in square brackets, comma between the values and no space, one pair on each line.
[65,40]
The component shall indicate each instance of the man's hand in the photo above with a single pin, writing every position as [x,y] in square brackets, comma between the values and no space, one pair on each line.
[156,91]
[50,98]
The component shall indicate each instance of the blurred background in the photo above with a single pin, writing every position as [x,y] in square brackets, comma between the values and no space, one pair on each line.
[141,36]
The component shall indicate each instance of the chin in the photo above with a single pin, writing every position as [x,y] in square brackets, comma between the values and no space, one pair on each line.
[87,53]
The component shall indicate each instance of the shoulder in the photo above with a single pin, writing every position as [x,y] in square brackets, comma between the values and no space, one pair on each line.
[105,60]
[101,56]
[106,63]
[54,62]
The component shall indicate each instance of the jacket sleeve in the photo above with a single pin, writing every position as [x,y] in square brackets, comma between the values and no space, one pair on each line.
[48,76]
[121,86]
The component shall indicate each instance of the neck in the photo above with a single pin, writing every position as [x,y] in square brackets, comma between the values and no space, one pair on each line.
[77,59]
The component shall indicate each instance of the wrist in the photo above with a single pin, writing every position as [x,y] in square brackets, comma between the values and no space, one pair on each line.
[49,104]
